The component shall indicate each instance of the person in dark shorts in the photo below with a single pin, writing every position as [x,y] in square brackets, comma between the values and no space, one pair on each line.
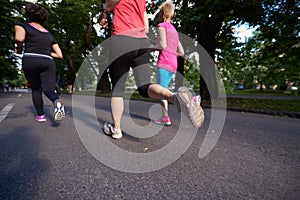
[130,48]
[40,47]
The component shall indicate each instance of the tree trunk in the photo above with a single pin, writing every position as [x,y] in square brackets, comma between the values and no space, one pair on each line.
[104,84]
[87,35]
[206,34]
[72,72]
[180,72]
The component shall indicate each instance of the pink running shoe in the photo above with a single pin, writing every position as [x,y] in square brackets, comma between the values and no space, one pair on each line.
[197,99]
[41,118]
[163,120]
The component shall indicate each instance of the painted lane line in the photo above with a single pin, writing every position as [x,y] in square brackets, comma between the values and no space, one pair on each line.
[4,112]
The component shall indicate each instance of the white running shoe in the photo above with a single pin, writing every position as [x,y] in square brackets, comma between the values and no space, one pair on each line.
[59,110]
[191,108]
[110,130]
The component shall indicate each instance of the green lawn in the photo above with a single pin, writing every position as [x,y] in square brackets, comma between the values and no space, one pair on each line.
[244,103]
[266,104]
[267,92]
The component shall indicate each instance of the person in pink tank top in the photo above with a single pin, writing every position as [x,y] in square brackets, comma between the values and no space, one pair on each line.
[169,48]
[129,48]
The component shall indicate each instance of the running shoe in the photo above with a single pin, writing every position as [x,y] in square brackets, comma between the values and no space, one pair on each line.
[185,103]
[59,110]
[165,120]
[197,99]
[110,130]
[41,118]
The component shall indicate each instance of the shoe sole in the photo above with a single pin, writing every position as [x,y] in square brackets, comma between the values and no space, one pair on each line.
[196,114]
[60,114]
[191,108]
[41,120]
[44,120]
[183,96]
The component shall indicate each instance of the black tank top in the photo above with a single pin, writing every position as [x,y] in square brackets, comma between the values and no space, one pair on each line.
[37,41]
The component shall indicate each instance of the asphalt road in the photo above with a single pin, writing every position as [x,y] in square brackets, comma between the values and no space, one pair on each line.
[256,156]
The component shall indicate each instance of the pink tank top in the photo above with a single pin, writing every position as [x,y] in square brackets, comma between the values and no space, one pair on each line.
[167,58]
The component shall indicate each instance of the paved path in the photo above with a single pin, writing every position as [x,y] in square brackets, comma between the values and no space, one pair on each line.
[256,157]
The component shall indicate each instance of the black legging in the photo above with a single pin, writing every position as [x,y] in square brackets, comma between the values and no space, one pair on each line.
[40,73]
[125,53]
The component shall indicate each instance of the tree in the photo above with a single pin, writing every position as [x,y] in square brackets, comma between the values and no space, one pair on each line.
[274,49]
[209,18]
[271,55]
[74,32]
[8,61]
[279,34]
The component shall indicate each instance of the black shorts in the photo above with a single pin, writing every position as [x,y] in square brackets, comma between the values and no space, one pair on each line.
[125,53]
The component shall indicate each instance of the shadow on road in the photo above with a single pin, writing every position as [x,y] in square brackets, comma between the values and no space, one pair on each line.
[21,167]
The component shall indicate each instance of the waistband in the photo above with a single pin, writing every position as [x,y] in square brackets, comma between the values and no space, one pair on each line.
[38,55]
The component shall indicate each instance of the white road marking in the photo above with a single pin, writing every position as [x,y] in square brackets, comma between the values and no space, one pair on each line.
[4,112]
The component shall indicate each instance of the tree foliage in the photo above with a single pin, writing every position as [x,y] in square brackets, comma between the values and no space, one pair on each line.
[71,22]
[9,14]
[270,56]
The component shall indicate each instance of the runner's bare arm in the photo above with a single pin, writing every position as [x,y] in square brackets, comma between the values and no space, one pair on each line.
[19,38]
[56,51]
[146,21]
[180,50]
[161,43]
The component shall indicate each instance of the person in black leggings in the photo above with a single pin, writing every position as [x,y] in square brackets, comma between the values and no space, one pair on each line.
[129,47]
[37,62]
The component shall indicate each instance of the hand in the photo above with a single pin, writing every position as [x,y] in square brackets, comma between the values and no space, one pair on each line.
[18,47]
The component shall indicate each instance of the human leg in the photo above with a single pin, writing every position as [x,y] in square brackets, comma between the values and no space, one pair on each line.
[117,108]
[48,81]
[32,73]
[142,73]
[118,71]
[37,99]
[184,102]
[156,91]
[153,90]
[70,89]
[164,78]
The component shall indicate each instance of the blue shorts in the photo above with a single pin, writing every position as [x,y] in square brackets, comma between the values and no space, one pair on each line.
[164,77]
